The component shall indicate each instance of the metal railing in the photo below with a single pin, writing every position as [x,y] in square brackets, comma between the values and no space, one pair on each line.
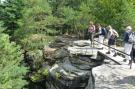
[132,57]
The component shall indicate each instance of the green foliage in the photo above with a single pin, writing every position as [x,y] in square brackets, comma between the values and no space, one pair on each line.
[11,71]
[118,13]
[36,24]
[59,16]
[58,76]
[37,58]
[39,75]
[10,12]
[36,77]
[35,41]
[72,15]
[46,72]
[1,28]
[33,23]
[37,18]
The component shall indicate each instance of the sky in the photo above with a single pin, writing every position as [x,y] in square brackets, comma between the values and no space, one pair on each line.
[2,0]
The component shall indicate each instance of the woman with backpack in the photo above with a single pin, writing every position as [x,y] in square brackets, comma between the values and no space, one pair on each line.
[112,35]
[127,44]
[91,32]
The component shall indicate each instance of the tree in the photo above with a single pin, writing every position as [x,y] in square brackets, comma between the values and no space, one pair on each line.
[36,24]
[75,14]
[10,12]
[11,70]
[118,13]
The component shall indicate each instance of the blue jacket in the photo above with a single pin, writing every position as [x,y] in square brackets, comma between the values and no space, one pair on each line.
[103,32]
[126,36]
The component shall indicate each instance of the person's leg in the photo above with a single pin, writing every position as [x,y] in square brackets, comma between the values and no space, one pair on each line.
[113,43]
[105,42]
[90,37]
[109,50]
[100,40]
[109,44]
[128,50]
[125,50]
[115,53]
[125,47]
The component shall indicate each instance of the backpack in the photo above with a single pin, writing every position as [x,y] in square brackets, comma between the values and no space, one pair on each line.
[114,35]
[104,32]
[131,37]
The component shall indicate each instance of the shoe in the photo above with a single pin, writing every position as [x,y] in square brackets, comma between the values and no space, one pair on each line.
[108,52]
[115,55]
[130,62]
[124,60]
[100,48]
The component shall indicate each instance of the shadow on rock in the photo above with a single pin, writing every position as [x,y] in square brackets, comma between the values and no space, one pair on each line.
[127,80]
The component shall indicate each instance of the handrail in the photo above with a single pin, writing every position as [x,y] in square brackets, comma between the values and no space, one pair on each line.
[132,57]
[112,48]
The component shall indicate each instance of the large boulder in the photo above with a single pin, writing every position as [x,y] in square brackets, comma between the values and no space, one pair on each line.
[72,71]
[48,54]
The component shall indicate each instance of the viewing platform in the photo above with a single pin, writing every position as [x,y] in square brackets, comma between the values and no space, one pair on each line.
[83,47]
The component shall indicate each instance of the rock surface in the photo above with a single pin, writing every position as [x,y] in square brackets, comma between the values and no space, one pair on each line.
[74,68]
[71,71]
[62,70]
[109,76]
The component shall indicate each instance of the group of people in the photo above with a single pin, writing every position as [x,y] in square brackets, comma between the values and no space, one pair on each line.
[110,34]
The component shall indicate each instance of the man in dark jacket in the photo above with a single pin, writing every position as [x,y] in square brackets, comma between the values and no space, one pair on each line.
[128,45]
[102,33]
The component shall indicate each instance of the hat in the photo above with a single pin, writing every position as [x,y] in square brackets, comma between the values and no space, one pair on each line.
[129,28]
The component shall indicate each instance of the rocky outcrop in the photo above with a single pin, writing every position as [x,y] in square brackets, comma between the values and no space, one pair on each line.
[61,69]
[71,71]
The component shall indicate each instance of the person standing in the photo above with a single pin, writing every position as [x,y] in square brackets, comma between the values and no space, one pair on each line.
[91,32]
[102,33]
[127,45]
[112,35]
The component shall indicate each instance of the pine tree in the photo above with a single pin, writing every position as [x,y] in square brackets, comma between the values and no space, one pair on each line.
[36,24]
[10,12]
[11,70]
[118,13]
